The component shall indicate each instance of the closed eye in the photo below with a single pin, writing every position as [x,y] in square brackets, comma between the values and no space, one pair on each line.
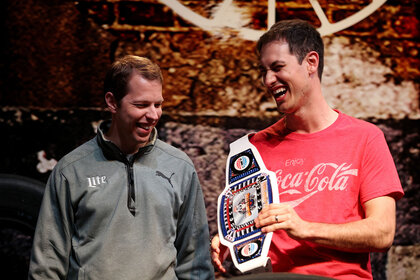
[145,105]
[158,105]
[277,68]
[263,72]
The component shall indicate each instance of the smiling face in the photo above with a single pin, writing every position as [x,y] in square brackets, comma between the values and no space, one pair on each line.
[286,80]
[137,113]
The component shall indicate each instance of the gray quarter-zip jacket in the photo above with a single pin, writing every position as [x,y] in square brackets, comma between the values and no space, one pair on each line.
[106,217]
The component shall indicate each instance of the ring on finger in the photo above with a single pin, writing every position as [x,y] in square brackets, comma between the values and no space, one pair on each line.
[276,218]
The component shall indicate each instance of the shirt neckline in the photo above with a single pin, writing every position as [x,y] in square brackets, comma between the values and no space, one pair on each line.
[306,136]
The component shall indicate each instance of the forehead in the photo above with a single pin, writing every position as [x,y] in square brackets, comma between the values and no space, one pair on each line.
[139,80]
[275,50]
[140,87]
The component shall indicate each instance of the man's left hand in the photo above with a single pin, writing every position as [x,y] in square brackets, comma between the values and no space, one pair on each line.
[278,216]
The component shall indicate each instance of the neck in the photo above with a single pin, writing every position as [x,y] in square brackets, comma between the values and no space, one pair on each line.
[123,144]
[310,120]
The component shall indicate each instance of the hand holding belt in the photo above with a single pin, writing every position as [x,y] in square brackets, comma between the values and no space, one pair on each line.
[249,187]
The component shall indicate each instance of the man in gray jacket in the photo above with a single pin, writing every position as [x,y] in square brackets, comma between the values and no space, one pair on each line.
[124,205]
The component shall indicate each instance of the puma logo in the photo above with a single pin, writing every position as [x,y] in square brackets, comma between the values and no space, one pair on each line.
[160,174]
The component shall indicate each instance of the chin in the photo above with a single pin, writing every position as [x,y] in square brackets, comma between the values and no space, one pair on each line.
[281,110]
[142,139]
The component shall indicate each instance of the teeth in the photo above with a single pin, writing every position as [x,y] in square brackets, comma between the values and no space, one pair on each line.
[280,91]
[144,127]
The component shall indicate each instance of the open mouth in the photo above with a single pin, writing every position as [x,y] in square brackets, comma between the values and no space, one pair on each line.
[144,126]
[279,92]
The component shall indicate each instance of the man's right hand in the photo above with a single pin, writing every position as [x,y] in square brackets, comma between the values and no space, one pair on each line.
[218,253]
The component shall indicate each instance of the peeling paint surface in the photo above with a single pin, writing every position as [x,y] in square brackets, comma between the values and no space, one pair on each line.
[358,83]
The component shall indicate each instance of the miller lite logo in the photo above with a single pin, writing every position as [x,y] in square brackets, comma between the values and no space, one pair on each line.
[95,181]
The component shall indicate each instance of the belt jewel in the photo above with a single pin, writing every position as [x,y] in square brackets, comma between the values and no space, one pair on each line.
[249,187]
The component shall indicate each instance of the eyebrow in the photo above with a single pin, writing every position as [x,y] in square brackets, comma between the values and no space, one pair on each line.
[147,101]
[273,64]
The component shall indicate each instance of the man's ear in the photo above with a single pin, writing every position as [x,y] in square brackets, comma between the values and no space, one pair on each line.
[111,102]
[312,58]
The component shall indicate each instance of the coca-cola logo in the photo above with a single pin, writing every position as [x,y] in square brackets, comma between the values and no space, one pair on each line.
[322,177]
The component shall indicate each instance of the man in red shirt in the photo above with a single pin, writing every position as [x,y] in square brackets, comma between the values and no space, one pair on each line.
[336,178]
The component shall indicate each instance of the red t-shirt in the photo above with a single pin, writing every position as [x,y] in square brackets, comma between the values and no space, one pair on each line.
[327,176]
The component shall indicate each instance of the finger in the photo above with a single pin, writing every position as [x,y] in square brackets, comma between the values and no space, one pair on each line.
[217,262]
[262,219]
[272,219]
[275,209]
[215,258]
[215,249]
[268,212]
[272,206]
[220,267]
[277,218]
[270,228]
[215,244]
[216,253]
[215,240]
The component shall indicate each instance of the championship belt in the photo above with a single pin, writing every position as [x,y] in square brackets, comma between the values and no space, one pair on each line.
[249,187]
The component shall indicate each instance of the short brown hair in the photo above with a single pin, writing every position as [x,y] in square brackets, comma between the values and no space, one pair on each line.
[118,76]
[301,37]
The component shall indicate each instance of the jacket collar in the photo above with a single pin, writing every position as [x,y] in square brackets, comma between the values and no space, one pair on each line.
[112,152]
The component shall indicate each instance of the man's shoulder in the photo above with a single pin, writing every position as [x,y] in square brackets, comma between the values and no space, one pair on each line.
[274,131]
[172,152]
[79,153]
[358,125]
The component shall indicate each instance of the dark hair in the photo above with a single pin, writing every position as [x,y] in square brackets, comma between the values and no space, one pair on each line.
[301,36]
[118,76]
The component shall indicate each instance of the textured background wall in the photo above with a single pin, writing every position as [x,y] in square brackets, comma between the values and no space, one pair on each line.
[55,54]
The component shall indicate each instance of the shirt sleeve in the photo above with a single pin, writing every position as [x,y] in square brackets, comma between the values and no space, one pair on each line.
[52,239]
[379,174]
[192,240]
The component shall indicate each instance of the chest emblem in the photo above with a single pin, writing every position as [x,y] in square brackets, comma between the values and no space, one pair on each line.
[160,174]
[96,181]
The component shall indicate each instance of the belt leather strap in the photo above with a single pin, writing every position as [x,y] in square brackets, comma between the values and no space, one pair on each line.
[249,187]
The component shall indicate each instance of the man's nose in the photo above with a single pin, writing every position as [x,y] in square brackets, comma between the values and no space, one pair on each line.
[153,113]
[269,78]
